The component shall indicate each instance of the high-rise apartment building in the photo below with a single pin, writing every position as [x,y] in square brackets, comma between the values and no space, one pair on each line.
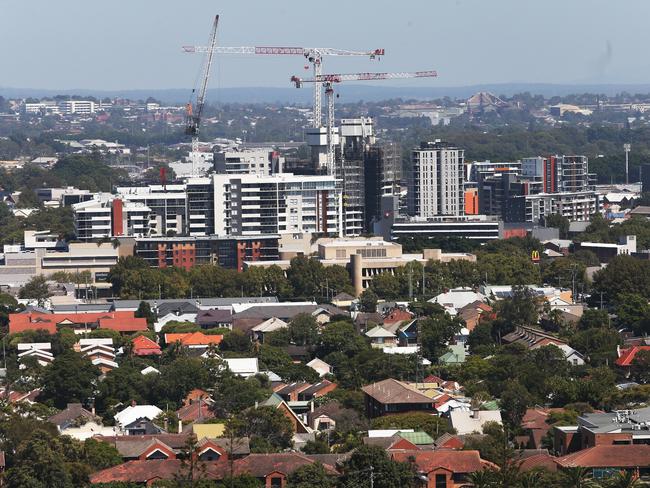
[383,175]
[437,180]
[559,173]
[255,162]
[278,204]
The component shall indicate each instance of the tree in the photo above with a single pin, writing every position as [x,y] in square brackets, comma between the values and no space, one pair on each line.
[144,311]
[306,276]
[435,332]
[515,400]
[625,479]
[267,427]
[341,337]
[633,312]
[373,461]
[303,330]
[36,289]
[368,301]
[558,221]
[593,319]
[235,341]
[234,394]
[577,477]
[623,274]
[641,367]
[71,378]
[309,476]
[599,345]
[386,286]
[100,455]
[337,280]
[431,424]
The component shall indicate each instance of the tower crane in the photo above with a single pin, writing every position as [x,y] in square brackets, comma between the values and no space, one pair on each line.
[313,54]
[329,80]
[194,111]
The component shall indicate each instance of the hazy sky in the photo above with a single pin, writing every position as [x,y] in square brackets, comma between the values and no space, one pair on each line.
[127,44]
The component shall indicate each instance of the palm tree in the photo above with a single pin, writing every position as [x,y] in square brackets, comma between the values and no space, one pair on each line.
[486,478]
[578,477]
[532,479]
[625,479]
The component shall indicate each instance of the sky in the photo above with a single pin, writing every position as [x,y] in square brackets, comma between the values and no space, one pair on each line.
[136,44]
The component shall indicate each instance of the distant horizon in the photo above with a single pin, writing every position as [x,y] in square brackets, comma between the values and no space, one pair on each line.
[349,93]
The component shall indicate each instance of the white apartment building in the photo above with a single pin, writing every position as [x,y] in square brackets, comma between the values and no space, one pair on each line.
[263,161]
[437,180]
[278,204]
[108,216]
[72,107]
[42,107]
[168,205]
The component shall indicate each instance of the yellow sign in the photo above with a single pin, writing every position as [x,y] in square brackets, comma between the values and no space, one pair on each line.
[534,256]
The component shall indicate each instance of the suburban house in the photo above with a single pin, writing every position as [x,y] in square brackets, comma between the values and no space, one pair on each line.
[214,319]
[138,420]
[100,352]
[596,429]
[79,423]
[604,461]
[123,322]
[380,337]
[443,468]
[626,356]
[41,351]
[392,396]
[472,421]
[270,325]
[320,366]
[143,346]
[194,340]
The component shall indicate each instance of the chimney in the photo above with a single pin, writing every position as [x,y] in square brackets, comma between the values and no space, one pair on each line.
[311,406]
[180,426]
[133,403]
[166,425]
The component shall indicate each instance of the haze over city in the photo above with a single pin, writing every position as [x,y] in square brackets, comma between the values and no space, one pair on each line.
[137,45]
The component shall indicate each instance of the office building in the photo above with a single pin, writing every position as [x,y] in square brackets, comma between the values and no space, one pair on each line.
[383,174]
[437,180]
[262,162]
[365,258]
[559,173]
[74,107]
[186,252]
[479,228]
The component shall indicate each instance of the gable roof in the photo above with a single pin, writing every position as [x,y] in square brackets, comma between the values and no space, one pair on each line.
[193,339]
[260,465]
[216,316]
[452,461]
[153,469]
[626,356]
[71,413]
[134,412]
[610,456]
[143,346]
[379,332]
[391,391]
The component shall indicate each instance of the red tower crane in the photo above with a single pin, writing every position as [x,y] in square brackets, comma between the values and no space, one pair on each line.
[313,54]
[329,80]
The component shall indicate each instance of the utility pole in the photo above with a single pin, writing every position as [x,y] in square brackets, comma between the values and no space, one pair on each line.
[410,284]
[626,147]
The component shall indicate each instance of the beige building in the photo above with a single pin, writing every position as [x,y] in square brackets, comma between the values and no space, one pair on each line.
[366,258]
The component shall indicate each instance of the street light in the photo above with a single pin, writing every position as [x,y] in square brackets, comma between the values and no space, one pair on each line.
[626,147]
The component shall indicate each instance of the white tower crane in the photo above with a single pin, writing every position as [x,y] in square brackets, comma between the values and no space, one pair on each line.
[193,116]
[313,54]
[329,80]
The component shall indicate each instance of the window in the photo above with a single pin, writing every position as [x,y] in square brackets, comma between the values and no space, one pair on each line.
[276,482]
[441,481]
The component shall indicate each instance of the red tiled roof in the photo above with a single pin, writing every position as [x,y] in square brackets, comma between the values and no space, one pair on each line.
[541,460]
[143,346]
[433,379]
[194,411]
[449,441]
[194,339]
[609,456]
[391,391]
[260,465]
[158,469]
[396,316]
[122,321]
[626,356]
[130,324]
[453,461]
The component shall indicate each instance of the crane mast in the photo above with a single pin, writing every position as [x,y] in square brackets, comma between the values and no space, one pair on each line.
[313,54]
[194,113]
[328,81]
